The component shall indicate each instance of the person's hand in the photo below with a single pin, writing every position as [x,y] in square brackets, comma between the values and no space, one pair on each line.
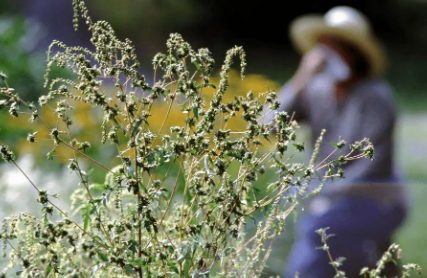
[310,64]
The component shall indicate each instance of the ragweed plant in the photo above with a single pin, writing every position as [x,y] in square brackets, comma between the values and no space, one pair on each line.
[175,201]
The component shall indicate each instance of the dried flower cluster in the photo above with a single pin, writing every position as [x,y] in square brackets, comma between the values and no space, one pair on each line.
[135,224]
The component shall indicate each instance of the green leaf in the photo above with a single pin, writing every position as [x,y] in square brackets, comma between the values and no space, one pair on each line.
[95,201]
[173,266]
[184,250]
[206,85]
[102,256]
[98,186]
[48,269]
[198,66]
[196,111]
[90,171]
[133,246]
[278,162]
[187,268]
[139,262]
[136,126]
[49,155]
[210,85]
[129,270]
[184,106]
[90,208]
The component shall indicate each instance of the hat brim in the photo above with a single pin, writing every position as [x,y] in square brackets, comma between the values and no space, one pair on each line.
[305,32]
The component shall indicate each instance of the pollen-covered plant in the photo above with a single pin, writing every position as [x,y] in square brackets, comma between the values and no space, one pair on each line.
[174,202]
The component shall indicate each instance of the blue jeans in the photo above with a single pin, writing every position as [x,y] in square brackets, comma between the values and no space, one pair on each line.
[362,229]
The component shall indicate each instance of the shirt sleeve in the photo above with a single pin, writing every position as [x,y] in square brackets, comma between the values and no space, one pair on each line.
[290,101]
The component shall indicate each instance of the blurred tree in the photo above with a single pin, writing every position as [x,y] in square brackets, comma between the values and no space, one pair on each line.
[19,59]
[25,69]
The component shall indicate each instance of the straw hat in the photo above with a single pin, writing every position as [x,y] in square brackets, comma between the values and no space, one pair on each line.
[345,22]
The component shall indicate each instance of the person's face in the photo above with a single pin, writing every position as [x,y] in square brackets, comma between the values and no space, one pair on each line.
[335,65]
[349,53]
[338,45]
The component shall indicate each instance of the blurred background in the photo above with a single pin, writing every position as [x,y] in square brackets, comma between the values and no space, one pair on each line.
[28,27]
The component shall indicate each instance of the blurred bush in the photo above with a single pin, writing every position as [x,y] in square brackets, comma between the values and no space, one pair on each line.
[19,59]
[23,67]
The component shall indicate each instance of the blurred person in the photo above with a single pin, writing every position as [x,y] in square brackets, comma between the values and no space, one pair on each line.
[337,88]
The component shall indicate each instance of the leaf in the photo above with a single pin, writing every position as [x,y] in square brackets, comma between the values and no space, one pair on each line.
[196,111]
[49,155]
[183,250]
[139,262]
[152,159]
[271,187]
[133,246]
[90,171]
[48,269]
[210,85]
[279,162]
[172,265]
[186,268]
[45,215]
[106,198]
[102,256]
[198,66]
[184,106]
[129,270]
[136,126]
[90,208]
[206,85]
[95,201]
[98,186]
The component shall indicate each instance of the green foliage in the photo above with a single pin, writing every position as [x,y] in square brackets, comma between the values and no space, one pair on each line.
[136,224]
[19,58]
